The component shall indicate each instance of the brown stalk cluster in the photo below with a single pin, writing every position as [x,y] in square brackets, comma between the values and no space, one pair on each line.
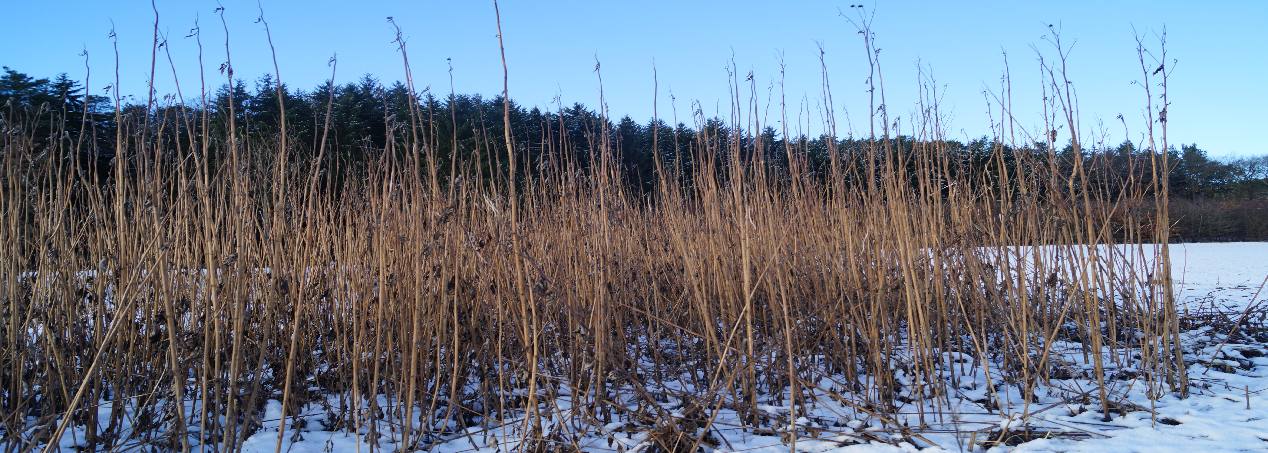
[225,274]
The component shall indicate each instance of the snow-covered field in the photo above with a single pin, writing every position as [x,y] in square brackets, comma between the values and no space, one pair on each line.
[1226,274]
[1227,409]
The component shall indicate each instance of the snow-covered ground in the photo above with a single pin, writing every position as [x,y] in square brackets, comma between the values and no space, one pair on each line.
[1227,409]
[1226,274]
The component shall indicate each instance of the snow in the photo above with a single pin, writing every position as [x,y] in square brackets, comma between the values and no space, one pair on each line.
[1224,274]
[1227,409]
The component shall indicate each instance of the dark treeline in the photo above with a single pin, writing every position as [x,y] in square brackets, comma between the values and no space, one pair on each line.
[464,136]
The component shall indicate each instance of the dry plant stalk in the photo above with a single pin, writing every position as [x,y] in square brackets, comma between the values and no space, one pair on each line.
[211,274]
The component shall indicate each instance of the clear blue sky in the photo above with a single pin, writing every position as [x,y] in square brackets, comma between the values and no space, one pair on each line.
[1219,91]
